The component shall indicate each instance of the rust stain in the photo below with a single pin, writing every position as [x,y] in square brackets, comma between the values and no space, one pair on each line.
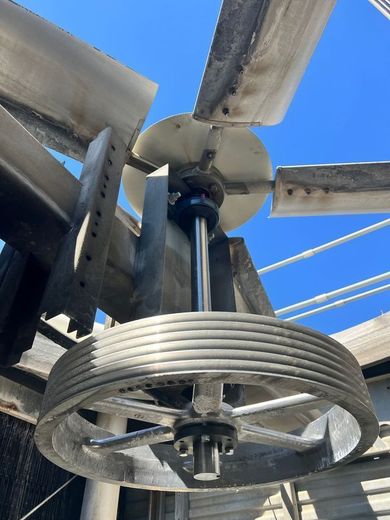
[4,405]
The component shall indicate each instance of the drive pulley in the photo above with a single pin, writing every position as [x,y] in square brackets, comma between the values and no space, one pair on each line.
[208,442]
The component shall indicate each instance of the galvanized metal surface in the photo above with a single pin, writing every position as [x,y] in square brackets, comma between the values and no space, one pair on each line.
[76,276]
[249,291]
[162,265]
[179,141]
[198,355]
[63,90]
[358,491]
[328,189]
[29,197]
[258,56]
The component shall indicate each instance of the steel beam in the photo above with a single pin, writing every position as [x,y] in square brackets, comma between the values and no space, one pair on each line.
[162,265]
[38,196]
[332,189]
[76,277]
[22,283]
[250,293]
[64,90]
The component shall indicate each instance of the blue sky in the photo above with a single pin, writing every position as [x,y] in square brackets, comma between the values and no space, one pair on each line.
[341,113]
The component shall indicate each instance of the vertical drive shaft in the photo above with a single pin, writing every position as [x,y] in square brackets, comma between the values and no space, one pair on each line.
[207,398]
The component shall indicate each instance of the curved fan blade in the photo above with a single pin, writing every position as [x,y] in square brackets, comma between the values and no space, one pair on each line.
[63,90]
[259,53]
[329,189]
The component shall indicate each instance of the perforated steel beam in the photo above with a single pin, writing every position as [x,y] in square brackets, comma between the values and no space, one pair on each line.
[76,277]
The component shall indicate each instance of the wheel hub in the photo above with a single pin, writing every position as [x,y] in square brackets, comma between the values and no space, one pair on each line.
[206,441]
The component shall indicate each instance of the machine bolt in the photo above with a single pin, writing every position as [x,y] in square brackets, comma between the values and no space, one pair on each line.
[183,451]
[173,197]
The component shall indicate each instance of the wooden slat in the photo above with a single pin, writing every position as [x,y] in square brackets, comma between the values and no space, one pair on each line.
[369,342]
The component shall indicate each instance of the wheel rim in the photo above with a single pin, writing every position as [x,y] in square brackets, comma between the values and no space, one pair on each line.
[205,347]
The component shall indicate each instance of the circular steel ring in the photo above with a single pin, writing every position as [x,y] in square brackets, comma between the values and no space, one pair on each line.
[210,347]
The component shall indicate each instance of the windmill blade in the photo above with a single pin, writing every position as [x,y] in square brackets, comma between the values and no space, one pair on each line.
[63,90]
[331,189]
[258,55]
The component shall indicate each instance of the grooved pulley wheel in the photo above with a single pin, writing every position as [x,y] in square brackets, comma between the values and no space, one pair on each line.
[209,348]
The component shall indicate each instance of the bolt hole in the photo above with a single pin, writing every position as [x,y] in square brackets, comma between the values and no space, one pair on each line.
[148,385]
[107,177]
[96,223]
[307,191]
[225,111]
[113,148]
[82,284]
[109,162]
[170,382]
[102,194]
[94,234]
[88,257]
[182,382]
[105,186]
[98,213]
[290,191]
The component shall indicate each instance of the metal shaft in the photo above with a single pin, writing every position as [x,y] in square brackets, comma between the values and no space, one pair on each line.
[201,292]
[206,459]
[206,398]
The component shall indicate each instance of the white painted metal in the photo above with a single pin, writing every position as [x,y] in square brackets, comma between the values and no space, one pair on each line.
[383,6]
[340,303]
[100,499]
[324,247]
[179,141]
[321,298]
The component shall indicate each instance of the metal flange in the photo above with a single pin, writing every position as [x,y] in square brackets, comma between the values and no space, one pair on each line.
[205,348]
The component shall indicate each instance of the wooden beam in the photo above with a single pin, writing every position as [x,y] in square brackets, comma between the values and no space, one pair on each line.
[369,341]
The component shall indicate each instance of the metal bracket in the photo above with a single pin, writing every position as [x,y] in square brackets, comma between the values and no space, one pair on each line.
[250,294]
[77,275]
[162,267]
[22,284]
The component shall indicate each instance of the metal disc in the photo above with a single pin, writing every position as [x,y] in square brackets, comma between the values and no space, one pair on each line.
[180,140]
[204,347]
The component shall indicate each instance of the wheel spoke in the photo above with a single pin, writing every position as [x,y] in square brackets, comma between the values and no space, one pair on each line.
[147,437]
[259,435]
[140,410]
[293,404]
